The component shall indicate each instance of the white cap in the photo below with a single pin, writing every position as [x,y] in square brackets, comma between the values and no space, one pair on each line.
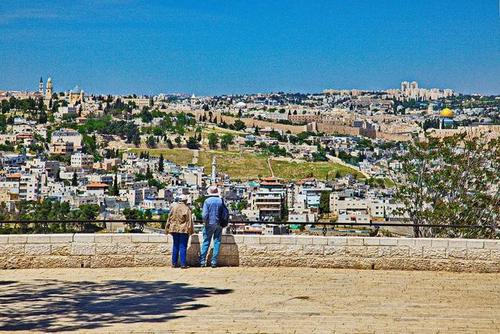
[213,191]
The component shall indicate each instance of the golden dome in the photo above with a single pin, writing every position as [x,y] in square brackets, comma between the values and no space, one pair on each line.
[446,113]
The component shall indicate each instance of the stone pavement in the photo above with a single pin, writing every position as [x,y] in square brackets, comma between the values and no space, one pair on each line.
[249,300]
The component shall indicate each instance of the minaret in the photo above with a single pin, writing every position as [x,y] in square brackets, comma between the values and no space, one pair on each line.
[48,91]
[40,86]
[214,170]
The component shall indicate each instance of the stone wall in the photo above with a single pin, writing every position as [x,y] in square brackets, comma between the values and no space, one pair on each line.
[124,250]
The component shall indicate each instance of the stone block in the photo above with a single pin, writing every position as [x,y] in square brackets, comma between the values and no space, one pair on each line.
[84,237]
[423,242]
[320,241]
[478,254]
[355,241]
[139,237]
[457,253]
[251,239]
[102,238]
[254,250]
[16,262]
[17,239]
[388,241]
[434,253]
[371,241]
[313,250]
[356,251]
[406,242]
[83,249]
[304,240]
[112,261]
[229,261]
[106,248]
[228,239]
[288,240]
[439,243]
[270,239]
[416,251]
[401,252]
[151,260]
[228,250]
[197,239]
[11,249]
[475,244]
[337,241]
[38,238]
[37,249]
[495,255]
[4,239]
[60,249]
[238,238]
[292,250]
[126,248]
[158,238]
[121,238]
[335,250]
[61,238]
[492,244]
[152,248]
[457,243]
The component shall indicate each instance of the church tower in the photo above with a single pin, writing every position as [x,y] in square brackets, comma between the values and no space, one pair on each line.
[48,91]
[40,86]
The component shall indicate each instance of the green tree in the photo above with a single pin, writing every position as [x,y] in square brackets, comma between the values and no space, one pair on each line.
[192,143]
[151,142]
[226,140]
[74,180]
[451,181]
[239,125]
[161,165]
[213,140]
[115,191]
[324,202]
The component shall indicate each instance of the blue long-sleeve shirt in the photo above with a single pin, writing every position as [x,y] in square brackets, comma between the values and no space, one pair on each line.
[212,208]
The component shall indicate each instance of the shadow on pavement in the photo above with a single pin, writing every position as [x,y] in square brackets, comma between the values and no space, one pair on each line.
[54,305]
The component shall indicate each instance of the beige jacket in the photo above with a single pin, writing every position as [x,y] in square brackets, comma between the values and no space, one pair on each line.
[180,219]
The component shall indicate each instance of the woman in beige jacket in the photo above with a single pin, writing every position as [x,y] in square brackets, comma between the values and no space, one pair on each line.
[180,225]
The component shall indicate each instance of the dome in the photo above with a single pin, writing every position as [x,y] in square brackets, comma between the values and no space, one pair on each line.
[447,113]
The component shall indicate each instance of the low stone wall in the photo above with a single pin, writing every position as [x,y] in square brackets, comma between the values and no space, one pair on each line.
[128,250]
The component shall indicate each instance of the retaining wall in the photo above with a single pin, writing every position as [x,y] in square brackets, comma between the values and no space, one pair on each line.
[128,250]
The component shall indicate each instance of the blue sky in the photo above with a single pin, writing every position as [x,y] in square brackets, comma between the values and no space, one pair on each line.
[231,46]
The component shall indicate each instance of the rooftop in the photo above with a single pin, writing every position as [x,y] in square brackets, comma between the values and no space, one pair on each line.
[239,299]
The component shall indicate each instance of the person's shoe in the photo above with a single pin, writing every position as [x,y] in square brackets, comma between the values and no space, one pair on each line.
[214,265]
[184,267]
[175,266]
[203,265]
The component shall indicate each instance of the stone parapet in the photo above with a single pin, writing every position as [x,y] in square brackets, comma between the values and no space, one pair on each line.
[127,250]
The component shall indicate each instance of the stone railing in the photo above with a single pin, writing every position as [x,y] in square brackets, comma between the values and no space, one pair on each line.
[127,250]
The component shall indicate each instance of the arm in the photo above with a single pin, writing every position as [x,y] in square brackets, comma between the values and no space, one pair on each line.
[191,224]
[205,212]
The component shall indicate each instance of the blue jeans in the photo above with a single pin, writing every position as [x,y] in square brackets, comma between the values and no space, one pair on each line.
[180,246]
[210,231]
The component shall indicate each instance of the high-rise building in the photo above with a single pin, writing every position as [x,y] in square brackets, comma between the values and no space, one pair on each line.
[405,85]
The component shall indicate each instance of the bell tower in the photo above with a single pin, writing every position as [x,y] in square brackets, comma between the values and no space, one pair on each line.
[48,91]
[40,86]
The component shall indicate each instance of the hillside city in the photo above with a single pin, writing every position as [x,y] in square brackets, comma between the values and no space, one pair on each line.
[277,157]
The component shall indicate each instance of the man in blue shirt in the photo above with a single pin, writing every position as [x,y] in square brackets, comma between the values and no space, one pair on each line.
[213,213]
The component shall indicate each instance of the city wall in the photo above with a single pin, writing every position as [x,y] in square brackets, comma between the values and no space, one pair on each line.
[128,250]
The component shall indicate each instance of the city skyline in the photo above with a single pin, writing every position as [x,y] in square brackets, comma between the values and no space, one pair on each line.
[216,48]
